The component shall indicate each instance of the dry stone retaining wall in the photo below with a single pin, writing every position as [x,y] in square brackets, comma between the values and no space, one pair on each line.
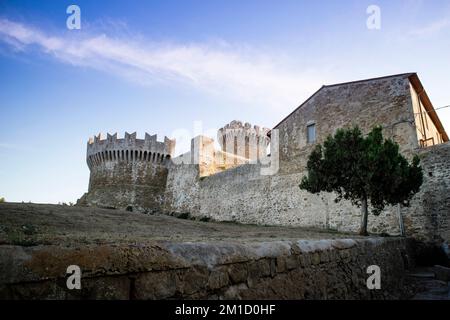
[303,269]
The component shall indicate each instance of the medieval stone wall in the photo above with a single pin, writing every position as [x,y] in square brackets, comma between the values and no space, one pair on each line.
[429,214]
[243,195]
[302,269]
[182,189]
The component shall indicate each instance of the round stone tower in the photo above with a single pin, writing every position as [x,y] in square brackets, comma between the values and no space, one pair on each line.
[244,140]
[128,173]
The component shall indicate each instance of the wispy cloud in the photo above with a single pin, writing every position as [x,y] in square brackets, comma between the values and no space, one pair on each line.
[219,68]
[14,147]
[432,28]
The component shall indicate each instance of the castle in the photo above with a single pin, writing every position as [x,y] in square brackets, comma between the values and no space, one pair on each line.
[246,183]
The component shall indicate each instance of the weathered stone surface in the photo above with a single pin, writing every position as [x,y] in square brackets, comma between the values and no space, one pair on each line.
[280,264]
[218,279]
[292,262]
[105,288]
[259,268]
[234,291]
[155,285]
[324,257]
[193,280]
[305,260]
[238,272]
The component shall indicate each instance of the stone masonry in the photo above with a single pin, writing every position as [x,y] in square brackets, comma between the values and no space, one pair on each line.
[303,269]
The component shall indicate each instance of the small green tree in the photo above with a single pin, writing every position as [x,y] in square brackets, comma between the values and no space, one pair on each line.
[362,169]
[2,199]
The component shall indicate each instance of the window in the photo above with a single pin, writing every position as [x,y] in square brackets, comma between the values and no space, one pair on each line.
[311,133]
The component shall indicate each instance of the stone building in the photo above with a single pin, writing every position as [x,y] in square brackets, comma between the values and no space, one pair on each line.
[233,183]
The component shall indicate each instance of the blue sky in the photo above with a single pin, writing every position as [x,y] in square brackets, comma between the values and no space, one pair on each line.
[165,67]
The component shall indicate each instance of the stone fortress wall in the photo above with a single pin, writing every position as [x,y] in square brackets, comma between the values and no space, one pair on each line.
[128,173]
[243,194]
[232,184]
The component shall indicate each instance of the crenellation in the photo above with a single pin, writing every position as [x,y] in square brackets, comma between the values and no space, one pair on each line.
[130,143]
[151,141]
[130,137]
[112,138]
[97,138]
[243,140]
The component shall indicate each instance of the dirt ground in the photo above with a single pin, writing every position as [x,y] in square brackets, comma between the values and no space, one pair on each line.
[35,224]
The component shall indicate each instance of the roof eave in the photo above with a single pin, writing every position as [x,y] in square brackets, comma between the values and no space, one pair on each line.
[417,85]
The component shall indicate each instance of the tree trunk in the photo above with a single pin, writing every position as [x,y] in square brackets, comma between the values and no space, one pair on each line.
[363,229]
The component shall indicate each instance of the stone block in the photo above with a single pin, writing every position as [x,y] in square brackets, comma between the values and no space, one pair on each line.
[238,272]
[259,268]
[155,285]
[315,258]
[324,256]
[193,280]
[305,260]
[292,262]
[217,279]
[281,264]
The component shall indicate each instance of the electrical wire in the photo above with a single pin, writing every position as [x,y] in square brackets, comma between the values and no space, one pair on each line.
[432,110]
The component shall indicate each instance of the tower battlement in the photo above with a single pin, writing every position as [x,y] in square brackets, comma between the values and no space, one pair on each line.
[244,140]
[128,148]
